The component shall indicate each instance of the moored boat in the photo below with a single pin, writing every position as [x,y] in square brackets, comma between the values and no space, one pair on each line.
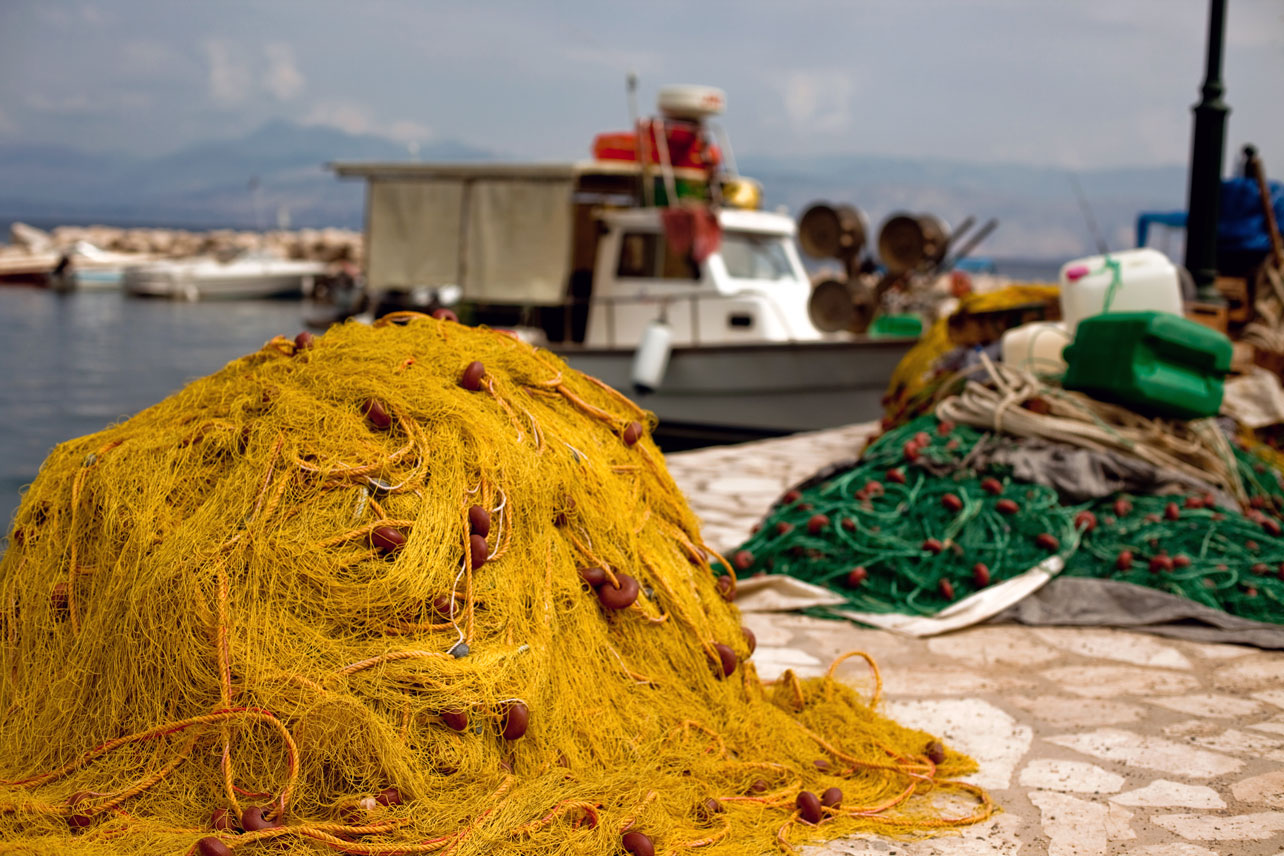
[651,267]
[248,276]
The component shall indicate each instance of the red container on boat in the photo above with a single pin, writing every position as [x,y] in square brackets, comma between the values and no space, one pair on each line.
[616,145]
[687,150]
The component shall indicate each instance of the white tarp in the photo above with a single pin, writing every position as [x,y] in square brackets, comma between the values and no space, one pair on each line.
[412,233]
[514,245]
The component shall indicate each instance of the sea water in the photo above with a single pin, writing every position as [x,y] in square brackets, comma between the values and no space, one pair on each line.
[74,364]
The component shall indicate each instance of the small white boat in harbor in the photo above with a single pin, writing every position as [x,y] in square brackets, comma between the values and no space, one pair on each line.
[86,267]
[245,277]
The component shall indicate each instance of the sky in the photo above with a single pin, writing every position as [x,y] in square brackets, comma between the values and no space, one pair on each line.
[1072,83]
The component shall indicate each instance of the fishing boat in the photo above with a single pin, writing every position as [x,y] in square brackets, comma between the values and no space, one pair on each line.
[651,267]
[247,276]
[86,267]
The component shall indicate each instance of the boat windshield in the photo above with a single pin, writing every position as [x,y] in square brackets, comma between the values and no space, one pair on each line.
[749,255]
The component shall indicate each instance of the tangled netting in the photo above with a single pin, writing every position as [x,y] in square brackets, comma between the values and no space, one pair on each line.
[915,525]
[416,588]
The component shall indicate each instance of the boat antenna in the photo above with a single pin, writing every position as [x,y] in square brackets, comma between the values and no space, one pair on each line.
[1093,229]
[631,85]
[644,177]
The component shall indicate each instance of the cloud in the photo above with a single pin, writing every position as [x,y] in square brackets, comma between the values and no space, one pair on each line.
[407,131]
[344,115]
[7,125]
[819,100]
[283,78]
[64,16]
[148,57]
[82,104]
[616,60]
[230,80]
[68,105]
[356,119]
[1256,25]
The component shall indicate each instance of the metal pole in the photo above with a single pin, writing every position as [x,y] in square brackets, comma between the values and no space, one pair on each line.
[1206,164]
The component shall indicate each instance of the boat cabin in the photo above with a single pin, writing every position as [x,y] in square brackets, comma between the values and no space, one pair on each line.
[567,249]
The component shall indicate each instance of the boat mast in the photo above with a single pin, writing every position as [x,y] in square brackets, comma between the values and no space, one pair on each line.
[1207,148]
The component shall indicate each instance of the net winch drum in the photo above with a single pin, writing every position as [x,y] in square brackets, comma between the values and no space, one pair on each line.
[836,305]
[832,231]
[908,242]
[691,102]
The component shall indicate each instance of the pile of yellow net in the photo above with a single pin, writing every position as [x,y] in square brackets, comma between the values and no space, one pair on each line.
[411,588]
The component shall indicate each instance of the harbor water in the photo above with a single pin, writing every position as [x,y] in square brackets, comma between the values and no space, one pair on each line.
[74,364]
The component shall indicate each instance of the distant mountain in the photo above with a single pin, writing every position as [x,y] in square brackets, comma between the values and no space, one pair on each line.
[1039,214]
[234,182]
[210,184]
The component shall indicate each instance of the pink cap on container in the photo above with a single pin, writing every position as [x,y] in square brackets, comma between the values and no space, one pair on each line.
[1077,272]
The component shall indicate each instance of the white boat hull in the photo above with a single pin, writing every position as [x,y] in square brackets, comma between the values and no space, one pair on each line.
[759,389]
[212,281]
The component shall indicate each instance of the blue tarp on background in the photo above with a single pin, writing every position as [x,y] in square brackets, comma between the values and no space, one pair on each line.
[1241,227]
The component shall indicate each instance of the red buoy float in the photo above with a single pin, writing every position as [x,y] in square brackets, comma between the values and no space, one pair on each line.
[621,597]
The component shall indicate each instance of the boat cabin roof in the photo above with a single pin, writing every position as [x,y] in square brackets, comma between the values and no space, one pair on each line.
[732,220]
[415,170]
[411,170]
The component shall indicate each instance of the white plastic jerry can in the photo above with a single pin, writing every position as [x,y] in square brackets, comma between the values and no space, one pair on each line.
[1146,281]
[1036,347]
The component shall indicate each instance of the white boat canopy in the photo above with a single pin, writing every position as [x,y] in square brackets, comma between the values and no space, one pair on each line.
[501,232]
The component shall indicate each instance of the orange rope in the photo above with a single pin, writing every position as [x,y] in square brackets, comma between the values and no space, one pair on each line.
[632,818]
[501,547]
[280,344]
[468,579]
[619,397]
[702,842]
[642,679]
[225,689]
[560,809]
[402,315]
[363,531]
[588,554]
[584,406]
[90,461]
[253,714]
[688,725]
[873,667]
[364,468]
[391,657]
[508,411]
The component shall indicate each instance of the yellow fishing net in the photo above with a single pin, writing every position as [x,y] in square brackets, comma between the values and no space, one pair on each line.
[411,588]
[911,383]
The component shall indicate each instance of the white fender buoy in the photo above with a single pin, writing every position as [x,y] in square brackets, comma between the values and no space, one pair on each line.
[651,359]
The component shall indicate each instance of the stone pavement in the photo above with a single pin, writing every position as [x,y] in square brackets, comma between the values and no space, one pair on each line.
[1094,742]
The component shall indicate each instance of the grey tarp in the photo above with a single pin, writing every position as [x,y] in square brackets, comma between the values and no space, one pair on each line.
[1090,602]
[1080,474]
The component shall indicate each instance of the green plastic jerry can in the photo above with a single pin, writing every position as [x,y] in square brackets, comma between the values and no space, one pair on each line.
[1155,363]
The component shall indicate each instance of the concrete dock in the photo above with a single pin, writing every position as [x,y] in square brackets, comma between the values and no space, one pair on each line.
[1094,742]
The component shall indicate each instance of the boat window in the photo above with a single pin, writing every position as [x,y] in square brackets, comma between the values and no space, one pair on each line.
[646,255]
[752,256]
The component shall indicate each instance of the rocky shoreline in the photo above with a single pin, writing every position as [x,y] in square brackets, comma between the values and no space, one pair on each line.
[329,245]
